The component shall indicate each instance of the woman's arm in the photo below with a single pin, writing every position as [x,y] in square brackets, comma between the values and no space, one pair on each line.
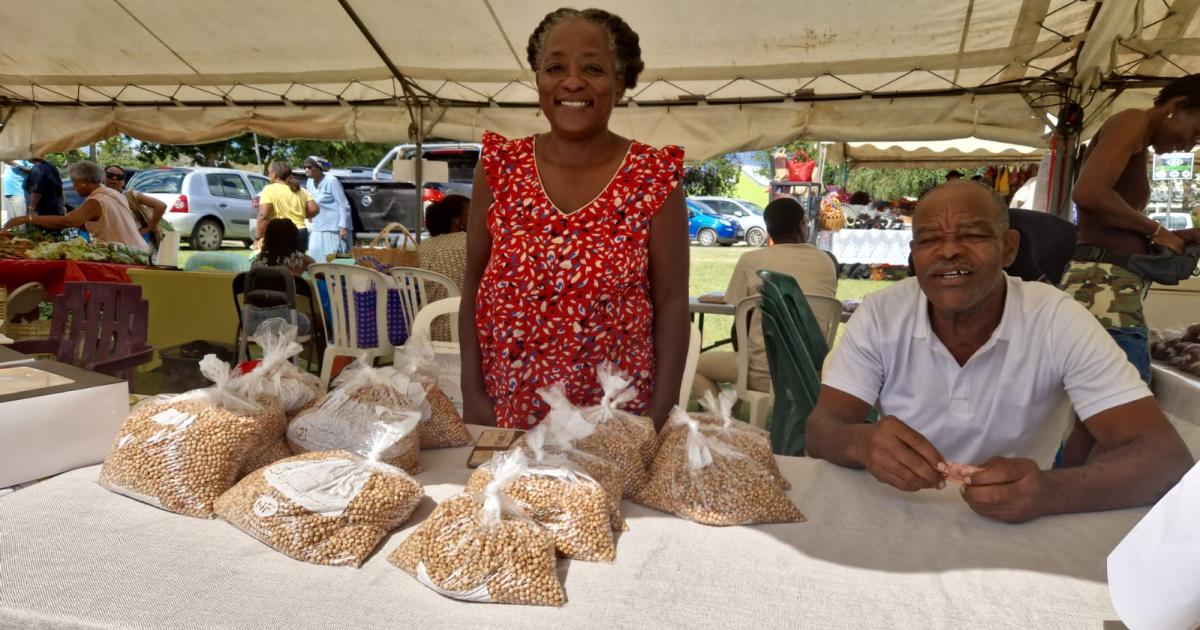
[345,221]
[89,210]
[669,292]
[159,207]
[265,211]
[1121,139]
[477,405]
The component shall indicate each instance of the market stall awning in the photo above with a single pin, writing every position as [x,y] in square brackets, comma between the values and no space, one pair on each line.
[720,76]
[960,153]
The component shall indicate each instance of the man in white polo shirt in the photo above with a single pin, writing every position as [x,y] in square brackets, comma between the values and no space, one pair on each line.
[972,366]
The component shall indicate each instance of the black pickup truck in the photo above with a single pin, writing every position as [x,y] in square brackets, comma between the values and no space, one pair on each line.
[376,199]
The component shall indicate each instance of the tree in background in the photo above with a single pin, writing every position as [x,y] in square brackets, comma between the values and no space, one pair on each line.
[716,177]
[240,151]
[890,183]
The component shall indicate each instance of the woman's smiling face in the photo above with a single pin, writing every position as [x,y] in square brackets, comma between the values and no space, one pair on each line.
[577,79]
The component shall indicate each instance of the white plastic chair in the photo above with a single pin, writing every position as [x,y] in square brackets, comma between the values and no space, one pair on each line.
[414,287]
[759,402]
[828,312]
[24,299]
[341,320]
[689,367]
[449,357]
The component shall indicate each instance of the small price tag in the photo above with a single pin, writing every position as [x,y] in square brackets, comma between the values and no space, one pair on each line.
[490,442]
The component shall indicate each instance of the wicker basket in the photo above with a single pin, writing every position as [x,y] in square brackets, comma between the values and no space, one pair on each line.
[380,250]
[36,329]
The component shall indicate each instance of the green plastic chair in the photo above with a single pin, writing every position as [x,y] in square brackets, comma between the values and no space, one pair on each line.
[795,349]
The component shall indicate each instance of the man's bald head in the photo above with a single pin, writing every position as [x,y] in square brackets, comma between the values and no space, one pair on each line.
[967,191]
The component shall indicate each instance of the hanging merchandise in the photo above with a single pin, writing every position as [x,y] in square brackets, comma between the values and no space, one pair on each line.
[801,167]
[1002,182]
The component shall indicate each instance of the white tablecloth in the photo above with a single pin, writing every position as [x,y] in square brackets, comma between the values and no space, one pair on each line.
[77,556]
[868,247]
[1178,393]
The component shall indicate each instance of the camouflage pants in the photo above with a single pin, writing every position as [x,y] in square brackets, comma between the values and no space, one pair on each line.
[1110,292]
[1114,297]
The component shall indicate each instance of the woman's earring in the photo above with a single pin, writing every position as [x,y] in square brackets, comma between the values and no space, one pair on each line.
[1171,115]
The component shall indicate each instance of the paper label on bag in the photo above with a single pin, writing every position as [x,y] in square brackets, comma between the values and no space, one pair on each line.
[324,487]
[479,594]
[266,506]
[352,427]
[174,418]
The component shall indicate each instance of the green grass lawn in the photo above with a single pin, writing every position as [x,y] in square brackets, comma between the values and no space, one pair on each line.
[711,268]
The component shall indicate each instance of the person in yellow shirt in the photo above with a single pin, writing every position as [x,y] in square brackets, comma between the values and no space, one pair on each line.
[283,198]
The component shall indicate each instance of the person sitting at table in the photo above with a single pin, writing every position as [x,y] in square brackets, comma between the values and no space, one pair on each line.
[281,250]
[813,269]
[972,366]
[446,251]
[103,213]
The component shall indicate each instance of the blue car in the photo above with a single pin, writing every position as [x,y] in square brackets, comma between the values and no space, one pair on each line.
[707,227]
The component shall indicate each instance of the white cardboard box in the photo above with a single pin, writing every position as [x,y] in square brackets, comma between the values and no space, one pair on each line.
[49,431]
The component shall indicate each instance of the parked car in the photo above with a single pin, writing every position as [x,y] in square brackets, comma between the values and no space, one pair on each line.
[1174,220]
[205,205]
[71,198]
[708,228]
[748,214]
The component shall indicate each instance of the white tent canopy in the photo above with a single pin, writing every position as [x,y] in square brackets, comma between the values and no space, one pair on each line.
[960,153]
[720,76]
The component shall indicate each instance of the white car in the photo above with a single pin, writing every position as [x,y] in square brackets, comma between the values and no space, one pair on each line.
[205,205]
[1174,220]
[748,214]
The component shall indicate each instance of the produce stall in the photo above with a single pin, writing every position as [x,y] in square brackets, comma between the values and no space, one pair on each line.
[843,568]
[35,257]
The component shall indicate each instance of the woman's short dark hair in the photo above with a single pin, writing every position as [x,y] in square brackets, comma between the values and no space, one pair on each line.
[622,39]
[440,215]
[280,240]
[1188,87]
[860,198]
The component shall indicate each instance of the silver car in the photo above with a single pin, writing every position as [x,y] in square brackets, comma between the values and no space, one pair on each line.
[205,205]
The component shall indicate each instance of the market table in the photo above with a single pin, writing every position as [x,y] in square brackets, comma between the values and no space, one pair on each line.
[78,556]
[1178,393]
[187,306]
[697,310]
[53,273]
[867,247]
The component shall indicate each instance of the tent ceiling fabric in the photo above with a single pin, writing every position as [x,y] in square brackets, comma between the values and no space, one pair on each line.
[766,71]
[961,153]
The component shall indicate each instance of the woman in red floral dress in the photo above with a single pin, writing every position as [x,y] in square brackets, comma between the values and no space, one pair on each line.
[581,255]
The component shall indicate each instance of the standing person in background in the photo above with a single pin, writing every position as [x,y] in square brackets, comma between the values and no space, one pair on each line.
[147,211]
[789,253]
[14,188]
[332,224]
[1111,195]
[445,252]
[577,248]
[283,198]
[45,189]
[103,213]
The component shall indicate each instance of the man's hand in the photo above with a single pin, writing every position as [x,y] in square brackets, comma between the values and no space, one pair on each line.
[1169,240]
[899,456]
[343,233]
[1008,490]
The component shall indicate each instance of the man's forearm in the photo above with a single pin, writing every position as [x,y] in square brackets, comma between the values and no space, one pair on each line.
[1133,474]
[835,441]
[34,198]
